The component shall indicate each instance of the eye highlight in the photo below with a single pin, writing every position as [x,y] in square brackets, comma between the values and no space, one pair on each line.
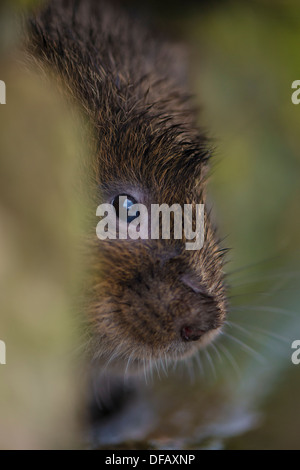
[122,203]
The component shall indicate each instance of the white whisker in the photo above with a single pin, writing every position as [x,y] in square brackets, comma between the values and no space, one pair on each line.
[208,356]
[266,309]
[258,330]
[231,360]
[246,348]
[199,363]
[214,347]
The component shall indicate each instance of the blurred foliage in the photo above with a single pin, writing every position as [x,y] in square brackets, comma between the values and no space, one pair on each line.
[244,58]
[23,4]
[40,211]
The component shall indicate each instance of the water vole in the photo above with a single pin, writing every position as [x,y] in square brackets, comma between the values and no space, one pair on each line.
[148,299]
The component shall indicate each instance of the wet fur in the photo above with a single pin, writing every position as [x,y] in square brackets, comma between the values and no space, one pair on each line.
[130,87]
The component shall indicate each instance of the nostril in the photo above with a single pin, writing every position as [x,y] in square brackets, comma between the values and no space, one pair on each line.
[191,333]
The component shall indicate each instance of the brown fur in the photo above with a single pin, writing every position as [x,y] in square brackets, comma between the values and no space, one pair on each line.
[148,145]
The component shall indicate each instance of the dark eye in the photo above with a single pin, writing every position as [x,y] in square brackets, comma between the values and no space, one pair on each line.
[122,203]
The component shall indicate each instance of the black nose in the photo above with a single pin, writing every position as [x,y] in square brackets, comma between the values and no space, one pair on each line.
[191,333]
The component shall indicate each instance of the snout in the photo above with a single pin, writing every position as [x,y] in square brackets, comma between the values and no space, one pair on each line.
[202,316]
[171,314]
[191,333]
[162,310]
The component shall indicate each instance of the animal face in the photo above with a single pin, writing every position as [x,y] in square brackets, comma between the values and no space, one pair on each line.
[147,298]
[153,298]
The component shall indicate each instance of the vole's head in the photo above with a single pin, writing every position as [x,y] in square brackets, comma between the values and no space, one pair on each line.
[153,298]
[149,298]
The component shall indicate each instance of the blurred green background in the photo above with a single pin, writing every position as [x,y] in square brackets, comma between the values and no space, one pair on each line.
[243,58]
[247,62]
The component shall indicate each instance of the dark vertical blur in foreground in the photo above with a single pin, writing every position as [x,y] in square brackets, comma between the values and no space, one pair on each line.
[40,221]
[244,58]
